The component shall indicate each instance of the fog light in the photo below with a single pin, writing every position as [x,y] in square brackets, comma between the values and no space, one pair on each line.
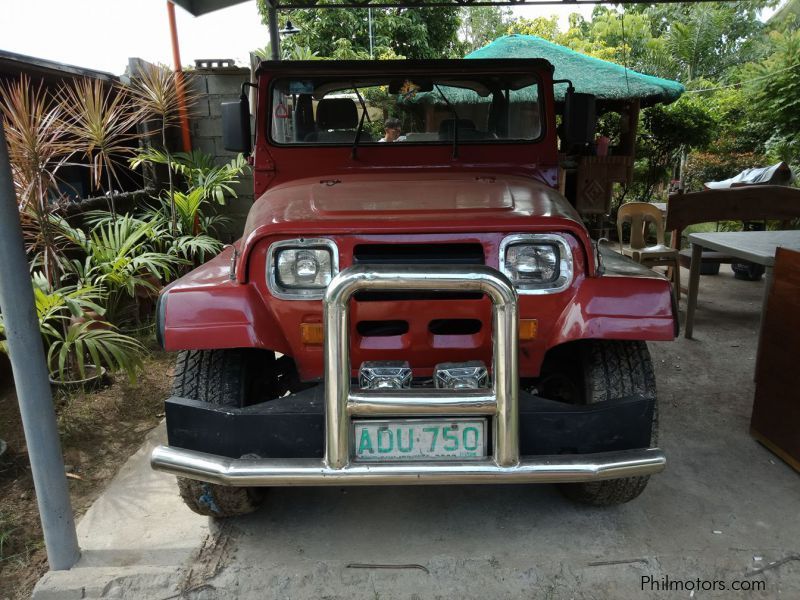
[459,376]
[384,375]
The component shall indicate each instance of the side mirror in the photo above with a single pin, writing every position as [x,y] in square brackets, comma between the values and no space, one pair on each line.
[236,126]
[580,119]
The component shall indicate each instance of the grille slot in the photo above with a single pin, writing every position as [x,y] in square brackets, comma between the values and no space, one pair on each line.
[454,326]
[418,254]
[381,328]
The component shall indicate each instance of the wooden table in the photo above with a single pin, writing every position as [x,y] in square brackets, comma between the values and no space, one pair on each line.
[754,246]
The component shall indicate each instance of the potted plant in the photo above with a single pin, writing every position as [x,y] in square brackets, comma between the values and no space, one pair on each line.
[79,352]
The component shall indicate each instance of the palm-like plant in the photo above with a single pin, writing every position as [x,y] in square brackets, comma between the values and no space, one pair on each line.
[199,170]
[121,257]
[68,351]
[158,93]
[70,343]
[100,118]
[38,146]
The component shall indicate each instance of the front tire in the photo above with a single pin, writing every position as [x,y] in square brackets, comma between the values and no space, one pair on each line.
[223,378]
[612,370]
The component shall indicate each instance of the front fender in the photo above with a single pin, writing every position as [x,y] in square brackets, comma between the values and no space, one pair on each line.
[627,302]
[206,310]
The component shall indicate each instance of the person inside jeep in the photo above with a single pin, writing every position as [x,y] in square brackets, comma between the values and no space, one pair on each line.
[391,131]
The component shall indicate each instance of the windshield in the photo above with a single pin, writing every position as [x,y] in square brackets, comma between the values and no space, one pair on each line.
[326,111]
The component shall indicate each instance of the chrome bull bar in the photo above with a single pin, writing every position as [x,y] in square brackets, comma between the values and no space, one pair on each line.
[342,403]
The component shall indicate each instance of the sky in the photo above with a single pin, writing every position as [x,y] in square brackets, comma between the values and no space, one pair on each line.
[103,34]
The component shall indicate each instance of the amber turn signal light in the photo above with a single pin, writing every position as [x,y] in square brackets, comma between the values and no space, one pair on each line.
[528,328]
[311,333]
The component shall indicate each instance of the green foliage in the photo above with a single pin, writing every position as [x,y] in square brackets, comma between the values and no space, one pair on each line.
[775,88]
[71,335]
[544,27]
[481,25]
[740,126]
[121,258]
[213,181]
[292,53]
[686,122]
[664,132]
[68,351]
[414,33]
[184,225]
[678,41]
[784,149]
[702,167]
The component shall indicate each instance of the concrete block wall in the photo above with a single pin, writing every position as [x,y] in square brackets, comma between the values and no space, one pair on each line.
[212,87]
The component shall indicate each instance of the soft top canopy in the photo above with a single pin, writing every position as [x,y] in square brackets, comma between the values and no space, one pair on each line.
[606,80]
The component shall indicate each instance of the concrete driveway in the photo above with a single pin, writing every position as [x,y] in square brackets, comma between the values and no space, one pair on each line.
[724,509]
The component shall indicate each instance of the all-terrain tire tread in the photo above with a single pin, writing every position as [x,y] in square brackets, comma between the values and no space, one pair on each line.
[216,377]
[615,369]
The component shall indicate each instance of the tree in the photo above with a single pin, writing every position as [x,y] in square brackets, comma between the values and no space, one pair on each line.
[664,132]
[775,84]
[544,27]
[709,38]
[481,25]
[416,33]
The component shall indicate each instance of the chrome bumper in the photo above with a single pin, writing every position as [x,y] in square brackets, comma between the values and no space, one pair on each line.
[302,471]
[342,403]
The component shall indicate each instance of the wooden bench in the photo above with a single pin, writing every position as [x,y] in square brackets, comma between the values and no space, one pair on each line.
[750,203]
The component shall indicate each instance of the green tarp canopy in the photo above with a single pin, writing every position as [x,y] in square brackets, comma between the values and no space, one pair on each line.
[606,80]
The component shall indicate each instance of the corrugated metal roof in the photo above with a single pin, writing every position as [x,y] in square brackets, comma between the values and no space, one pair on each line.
[13,64]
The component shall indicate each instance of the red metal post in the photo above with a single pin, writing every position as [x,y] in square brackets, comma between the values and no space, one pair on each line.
[176,59]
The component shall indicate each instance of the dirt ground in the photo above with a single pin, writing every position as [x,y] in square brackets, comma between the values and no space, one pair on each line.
[99,431]
[726,511]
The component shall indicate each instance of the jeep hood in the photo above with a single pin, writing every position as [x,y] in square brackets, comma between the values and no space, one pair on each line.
[409,203]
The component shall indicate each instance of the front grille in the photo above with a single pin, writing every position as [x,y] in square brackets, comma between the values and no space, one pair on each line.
[403,296]
[419,254]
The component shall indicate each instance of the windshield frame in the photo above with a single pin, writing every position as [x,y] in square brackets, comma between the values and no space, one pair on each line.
[463,75]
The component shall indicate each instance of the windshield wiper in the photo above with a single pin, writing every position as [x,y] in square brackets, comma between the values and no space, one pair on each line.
[455,124]
[360,123]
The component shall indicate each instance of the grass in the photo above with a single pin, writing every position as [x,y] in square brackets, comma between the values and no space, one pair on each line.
[16,546]
[8,526]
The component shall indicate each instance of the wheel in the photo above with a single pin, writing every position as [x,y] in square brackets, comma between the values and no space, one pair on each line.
[747,271]
[610,370]
[223,378]
[220,501]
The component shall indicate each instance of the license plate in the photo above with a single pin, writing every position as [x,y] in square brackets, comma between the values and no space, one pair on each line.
[419,439]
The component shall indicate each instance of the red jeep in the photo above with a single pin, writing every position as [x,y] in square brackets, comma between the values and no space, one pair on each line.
[419,308]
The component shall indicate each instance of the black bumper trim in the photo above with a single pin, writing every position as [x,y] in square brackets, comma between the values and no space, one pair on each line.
[293,426]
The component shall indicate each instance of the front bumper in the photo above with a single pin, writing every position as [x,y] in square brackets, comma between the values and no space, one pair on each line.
[314,472]
[305,439]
